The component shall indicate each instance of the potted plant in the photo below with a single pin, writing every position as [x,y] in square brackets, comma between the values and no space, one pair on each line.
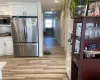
[71,5]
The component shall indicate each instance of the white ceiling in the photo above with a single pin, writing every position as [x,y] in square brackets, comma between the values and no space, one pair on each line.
[46,4]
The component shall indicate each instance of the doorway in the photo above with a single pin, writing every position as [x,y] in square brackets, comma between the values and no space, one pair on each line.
[49,30]
[50,39]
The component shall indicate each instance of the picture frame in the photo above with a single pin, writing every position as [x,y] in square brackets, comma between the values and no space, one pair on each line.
[93,8]
[81,10]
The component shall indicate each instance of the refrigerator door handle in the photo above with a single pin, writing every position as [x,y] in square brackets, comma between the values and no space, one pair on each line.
[24,28]
[25,32]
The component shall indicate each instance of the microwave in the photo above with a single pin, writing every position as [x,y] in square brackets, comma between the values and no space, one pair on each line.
[5,20]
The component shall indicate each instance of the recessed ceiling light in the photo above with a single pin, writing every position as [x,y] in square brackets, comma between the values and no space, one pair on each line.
[48,12]
[52,9]
[56,1]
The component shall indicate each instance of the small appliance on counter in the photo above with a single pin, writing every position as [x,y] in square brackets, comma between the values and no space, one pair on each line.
[5,25]
[5,20]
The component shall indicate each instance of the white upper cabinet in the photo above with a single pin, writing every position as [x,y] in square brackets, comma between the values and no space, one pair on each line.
[0,10]
[16,10]
[4,10]
[30,10]
[23,9]
[9,46]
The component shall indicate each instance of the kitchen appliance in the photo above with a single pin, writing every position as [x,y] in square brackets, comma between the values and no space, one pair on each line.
[5,30]
[25,35]
[5,25]
[5,20]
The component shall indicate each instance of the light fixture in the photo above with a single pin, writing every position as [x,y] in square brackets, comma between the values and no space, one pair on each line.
[48,12]
[56,1]
[52,9]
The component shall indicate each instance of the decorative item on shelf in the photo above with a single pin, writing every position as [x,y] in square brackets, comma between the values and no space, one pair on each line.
[92,31]
[74,8]
[94,8]
[81,10]
[78,29]
[89,33]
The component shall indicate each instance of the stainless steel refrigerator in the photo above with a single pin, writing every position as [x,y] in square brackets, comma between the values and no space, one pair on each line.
[25,35]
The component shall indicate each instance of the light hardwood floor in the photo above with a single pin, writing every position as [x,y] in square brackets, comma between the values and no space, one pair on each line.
[49,67]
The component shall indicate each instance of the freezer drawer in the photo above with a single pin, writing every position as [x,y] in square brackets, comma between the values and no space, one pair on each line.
[26,49]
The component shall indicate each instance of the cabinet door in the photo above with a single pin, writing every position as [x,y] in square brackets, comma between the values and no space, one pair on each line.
[5,10]
[16,10]
[30,10]
[9,46]
[0,10]
[2,46]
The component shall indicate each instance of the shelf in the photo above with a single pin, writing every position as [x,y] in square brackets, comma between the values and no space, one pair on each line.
[97,40]
[85,64]
[87,17]
[97,57]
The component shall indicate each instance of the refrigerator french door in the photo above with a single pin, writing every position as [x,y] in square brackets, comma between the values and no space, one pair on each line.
[25,36]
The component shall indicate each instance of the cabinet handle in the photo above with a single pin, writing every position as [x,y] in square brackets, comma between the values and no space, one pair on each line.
[2,12]
[4,44]
[25,13]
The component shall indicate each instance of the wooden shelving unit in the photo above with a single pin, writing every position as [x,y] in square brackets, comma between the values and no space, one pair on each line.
[86,37]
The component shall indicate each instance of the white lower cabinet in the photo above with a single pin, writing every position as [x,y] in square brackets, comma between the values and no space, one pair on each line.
[6,46]
[2,46]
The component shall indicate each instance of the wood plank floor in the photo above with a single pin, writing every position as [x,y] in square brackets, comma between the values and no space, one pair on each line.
[49,67]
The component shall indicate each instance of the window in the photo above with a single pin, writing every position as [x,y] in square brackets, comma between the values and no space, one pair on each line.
[48,23]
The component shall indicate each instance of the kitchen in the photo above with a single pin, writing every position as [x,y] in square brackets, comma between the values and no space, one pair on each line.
[21,14]
[21,51]
[20,30]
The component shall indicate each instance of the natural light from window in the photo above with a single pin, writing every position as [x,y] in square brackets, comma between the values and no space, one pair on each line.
[48,23]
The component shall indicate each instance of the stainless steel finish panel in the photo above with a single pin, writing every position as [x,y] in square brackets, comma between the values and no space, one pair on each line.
[26,49]
[31,30]
[18,30]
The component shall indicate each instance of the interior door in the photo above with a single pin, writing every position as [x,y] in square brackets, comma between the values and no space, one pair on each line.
[31,30]
[18,29]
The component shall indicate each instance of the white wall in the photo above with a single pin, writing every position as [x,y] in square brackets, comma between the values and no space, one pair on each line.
[57,27]
[40,25]
[66,28]
[69,46]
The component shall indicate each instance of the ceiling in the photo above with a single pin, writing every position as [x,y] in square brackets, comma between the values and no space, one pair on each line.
[46,4]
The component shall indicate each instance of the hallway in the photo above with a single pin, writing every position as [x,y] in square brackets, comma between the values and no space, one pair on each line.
[49,67]
[50,42]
